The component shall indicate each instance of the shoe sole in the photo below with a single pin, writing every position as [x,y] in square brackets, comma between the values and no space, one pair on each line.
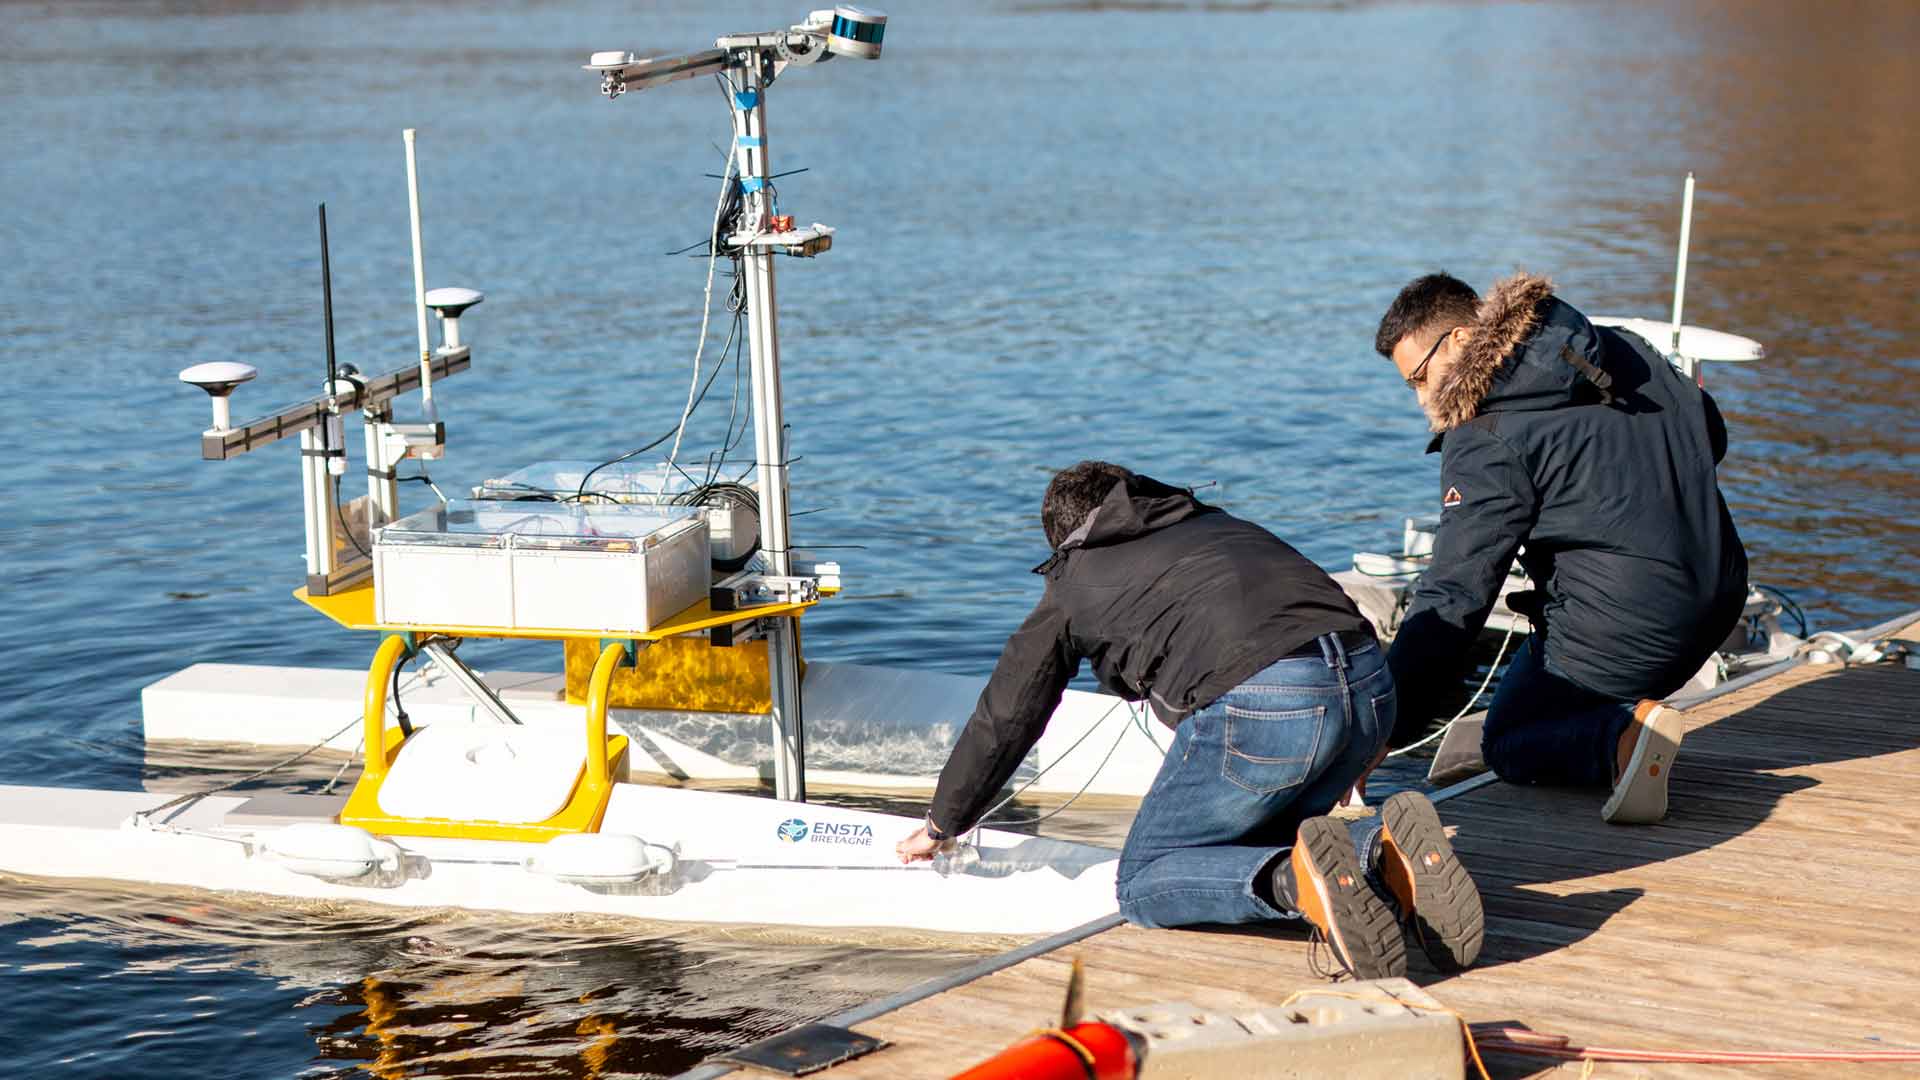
[1640,795]
[1424,874]
[1333,895]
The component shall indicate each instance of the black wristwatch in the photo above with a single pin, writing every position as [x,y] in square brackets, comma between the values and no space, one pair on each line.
[934,832]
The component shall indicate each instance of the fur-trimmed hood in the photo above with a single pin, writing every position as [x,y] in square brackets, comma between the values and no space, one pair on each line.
[1529,351]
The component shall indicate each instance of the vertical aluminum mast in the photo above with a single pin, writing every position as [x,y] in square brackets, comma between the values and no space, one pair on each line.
[749,63]
[769,427]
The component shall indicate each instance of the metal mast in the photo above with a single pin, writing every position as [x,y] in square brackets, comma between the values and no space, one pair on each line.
[769,427]
[749,63]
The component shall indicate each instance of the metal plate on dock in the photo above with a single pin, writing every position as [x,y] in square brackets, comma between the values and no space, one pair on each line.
[805,1049]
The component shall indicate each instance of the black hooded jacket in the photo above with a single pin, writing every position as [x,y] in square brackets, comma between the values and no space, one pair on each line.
[1171,600]
[1611,488]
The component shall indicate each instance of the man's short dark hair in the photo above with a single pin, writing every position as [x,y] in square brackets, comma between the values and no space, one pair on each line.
[1434,301]
[1074,493]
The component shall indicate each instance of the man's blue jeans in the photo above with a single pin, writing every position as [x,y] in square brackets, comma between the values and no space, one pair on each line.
[1242,774]
[1544,729]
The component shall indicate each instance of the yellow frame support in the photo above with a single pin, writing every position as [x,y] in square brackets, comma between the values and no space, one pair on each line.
[373,704]
[584,809]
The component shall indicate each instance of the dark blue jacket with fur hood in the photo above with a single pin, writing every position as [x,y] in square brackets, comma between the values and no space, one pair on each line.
[1584,445]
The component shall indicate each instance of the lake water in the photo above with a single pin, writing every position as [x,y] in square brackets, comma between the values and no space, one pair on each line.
[1151,234]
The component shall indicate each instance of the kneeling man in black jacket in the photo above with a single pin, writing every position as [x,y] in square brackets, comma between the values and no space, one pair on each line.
[1589,448]
[1279,700]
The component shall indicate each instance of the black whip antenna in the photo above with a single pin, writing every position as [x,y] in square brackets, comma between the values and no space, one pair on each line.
[326,297]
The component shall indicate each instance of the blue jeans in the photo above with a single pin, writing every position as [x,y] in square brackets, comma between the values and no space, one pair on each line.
[1543,729]
[1242,774]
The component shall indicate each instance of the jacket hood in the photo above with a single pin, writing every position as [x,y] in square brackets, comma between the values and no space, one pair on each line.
[1530,352]
[1138,506]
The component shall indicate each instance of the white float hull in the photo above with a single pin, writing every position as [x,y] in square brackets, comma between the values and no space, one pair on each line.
[736,862]
[867,727]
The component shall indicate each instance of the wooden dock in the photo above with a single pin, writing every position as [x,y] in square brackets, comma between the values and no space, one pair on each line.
[1777,908]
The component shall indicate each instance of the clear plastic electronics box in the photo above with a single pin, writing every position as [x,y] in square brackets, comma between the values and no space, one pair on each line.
[733,530]
[593,566]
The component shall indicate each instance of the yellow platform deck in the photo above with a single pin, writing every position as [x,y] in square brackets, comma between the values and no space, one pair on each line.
[352,608]
[1777,908]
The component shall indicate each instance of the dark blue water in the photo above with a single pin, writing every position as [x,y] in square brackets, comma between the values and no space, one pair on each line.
[1154,236]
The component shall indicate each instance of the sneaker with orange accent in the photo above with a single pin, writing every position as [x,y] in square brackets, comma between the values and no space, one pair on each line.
[1436,896]
[1322,879]
[1640,794]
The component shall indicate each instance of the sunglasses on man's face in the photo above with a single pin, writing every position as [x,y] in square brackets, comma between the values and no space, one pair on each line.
[1420,370]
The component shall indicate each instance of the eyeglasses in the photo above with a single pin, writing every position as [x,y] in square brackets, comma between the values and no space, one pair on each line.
[1420,370]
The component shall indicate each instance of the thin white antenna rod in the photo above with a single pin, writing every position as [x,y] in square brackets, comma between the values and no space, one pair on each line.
[1679,273]
[420,282]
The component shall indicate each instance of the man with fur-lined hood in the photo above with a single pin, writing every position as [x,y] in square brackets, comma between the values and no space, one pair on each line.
[1584,445]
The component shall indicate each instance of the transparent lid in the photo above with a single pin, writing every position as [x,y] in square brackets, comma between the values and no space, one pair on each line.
[590,525]
[621,479]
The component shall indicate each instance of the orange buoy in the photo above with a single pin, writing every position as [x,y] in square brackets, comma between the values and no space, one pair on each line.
[1088,1051]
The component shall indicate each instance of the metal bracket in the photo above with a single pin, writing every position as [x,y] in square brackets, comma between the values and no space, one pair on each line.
[630,657]
[342,577]
[803,242]
[218,445]
[731,634]
[826,572]
[750,589]
[467,679]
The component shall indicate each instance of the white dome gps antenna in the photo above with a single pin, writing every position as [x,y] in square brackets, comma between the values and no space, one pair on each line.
[448,302]
[218,379]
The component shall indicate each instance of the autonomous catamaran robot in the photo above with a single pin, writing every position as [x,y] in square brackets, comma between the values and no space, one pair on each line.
[517,797]
[715,692]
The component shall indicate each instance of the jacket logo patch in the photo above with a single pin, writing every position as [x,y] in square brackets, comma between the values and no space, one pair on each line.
[1451,499]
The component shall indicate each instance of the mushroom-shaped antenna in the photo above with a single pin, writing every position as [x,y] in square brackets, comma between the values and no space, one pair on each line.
[218,379]
[448,303]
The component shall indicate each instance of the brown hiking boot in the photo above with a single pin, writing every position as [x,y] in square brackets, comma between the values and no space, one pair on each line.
[1322,879]
[1435,894]
[1640,792]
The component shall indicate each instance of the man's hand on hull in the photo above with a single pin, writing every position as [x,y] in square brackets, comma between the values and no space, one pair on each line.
[919,846]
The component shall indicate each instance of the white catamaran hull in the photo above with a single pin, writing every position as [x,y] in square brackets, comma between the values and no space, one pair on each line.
[739,859]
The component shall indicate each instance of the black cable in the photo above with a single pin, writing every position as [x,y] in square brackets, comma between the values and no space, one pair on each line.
[725,493]
[423,478]
[341,515]
[400,713]
[733,204]
[582,491]
[731,440]
[1787,603]
[773,176]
